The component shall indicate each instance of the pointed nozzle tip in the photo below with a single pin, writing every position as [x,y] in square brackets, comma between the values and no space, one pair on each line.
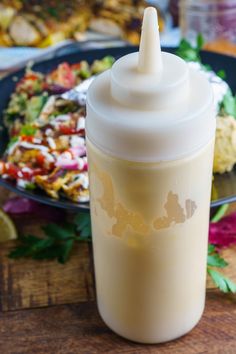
[150,60]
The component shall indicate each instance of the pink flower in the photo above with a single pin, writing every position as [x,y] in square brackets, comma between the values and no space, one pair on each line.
[223,233]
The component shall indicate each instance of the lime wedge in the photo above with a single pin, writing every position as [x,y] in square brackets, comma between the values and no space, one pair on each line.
[7,228]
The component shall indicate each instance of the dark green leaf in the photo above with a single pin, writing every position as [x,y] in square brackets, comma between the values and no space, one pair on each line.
[30,186]
[222,282]
[200,41]
[221,74]
[20,252]
[30,246]
[42,244]
[81,220]
[86,232]
[29,240]
[84,239]
[83,223]
[66,250]
[59,232]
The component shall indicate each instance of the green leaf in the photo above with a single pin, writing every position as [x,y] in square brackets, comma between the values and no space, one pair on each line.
[81,220]
[211,248]
[228,105]
[13,140]
[222,282]
[220,213]
[66,250]
[28,130]
[221,74]
[200,41]
[30,246]
[83,223]
[215,260]
[42,244]
[187,52]
[30,186]
[59,232]
[19,252]
[29,240]
[86,231]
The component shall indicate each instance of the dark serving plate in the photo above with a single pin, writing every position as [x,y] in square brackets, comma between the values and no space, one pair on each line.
[224,186]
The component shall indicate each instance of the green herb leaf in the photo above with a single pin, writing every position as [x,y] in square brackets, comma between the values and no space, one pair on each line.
[220,213]
[188,52]
[59,232]
[19,252]
[31,245]
[221,74]
[13,140]
[58,241]
[222,282]
[228,105]
[83,223]
[66,250]
[211,248]
[28,130]
[215,260]
[30,186]
[200,42]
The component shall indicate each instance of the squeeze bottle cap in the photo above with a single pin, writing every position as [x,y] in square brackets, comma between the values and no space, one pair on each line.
[150,106]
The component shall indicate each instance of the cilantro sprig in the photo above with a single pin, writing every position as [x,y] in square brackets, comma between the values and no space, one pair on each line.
[214,260]
[189,52]
[228,105]
[58,240]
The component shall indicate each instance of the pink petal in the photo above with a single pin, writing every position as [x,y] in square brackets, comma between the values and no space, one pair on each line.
[223,233]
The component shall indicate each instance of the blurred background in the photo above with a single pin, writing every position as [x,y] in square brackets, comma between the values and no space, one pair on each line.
[37,30]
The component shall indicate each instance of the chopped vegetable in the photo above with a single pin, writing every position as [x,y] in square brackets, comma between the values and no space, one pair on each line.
[47,146]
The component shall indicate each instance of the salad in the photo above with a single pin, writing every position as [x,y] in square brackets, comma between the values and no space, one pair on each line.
[47,147]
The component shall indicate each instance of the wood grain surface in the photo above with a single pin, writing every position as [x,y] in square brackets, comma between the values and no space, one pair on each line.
[74,329]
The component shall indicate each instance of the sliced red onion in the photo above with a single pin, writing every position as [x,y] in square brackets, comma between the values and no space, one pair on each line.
[19,206]
[78,151]
[57,89]
[67,164]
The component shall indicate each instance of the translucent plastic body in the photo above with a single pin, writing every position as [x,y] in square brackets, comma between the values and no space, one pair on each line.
[150,234]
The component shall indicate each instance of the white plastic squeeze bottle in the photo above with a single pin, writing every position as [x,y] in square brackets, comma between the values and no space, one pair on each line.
[150,138]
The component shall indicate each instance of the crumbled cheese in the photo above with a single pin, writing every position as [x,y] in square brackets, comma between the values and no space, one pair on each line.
[81,180]
[19,174]
[76,141]
[27,145]
[27,169]
[48,157]
[83,198]
[48,132]
[51,143]
[37,141]
[22,183]
[81,123]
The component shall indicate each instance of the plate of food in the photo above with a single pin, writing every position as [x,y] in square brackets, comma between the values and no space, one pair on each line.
[36,29]
[42,138]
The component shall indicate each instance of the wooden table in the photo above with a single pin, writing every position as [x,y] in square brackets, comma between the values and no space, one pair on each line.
[48,308]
